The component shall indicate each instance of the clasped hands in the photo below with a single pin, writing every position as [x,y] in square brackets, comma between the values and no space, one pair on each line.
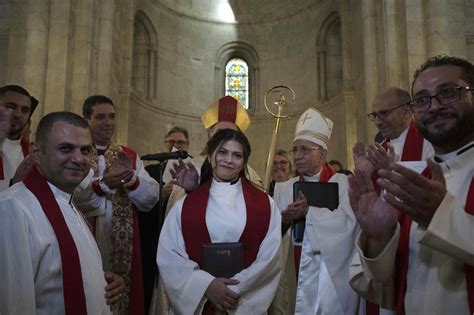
[221,296]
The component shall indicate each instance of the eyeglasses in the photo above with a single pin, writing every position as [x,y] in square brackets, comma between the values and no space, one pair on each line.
[280,163]
[304,149]
[383,114]
[445,96]
[178,142]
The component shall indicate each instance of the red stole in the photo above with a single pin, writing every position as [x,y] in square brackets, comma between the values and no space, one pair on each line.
[326,173]
[412,151]
[25,148]
[193,221]
[195,232]
[401,262]
[74,297]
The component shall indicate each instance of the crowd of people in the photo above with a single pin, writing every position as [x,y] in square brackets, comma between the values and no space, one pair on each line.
[86,228]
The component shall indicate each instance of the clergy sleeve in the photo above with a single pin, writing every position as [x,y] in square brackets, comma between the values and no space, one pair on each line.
[185,283]
[146,194]
[17,289]
[372,278]
[451,231]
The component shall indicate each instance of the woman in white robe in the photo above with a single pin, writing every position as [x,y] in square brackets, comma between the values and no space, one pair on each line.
[226,218]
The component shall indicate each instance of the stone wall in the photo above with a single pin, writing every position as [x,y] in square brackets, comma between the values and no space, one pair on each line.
[161,61]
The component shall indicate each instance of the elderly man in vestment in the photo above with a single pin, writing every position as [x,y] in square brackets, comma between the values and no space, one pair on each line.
[120,186]
[328,242]
[415,251]
[14,149]
[50,261]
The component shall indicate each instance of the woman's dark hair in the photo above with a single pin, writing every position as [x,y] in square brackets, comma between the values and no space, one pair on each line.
[217,141]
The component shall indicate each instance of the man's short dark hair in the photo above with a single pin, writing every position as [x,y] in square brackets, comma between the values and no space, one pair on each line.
[91,101]
[335,162]
[178,129]
[46,124]
[20,90]
[444,60]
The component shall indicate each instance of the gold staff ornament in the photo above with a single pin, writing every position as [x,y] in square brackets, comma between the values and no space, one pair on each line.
[278,97]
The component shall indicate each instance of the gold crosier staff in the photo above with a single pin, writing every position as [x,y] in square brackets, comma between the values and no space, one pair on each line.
[281,103]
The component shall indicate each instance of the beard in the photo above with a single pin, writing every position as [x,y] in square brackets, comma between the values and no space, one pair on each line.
[446,126]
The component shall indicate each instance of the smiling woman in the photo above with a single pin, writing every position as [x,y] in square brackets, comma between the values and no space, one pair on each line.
[225,211]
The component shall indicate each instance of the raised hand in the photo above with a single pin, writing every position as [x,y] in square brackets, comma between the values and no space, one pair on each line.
[376,217]
[379,157]
[221,296]
[295,210]
[416,195]
[119,173]
[185,175]
[361,160]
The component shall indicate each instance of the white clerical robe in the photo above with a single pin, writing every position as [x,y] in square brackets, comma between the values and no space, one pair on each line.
[30,266]
[437,254]
[186,284]
[327,250]
[12,155]
[399,142]
[144,198]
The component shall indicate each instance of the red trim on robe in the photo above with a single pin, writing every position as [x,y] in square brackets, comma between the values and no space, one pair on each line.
[194,227]
[227,109]
[73,287]
[401,261]
[25,148]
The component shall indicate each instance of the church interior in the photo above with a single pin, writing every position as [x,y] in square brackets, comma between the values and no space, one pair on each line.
[163,62]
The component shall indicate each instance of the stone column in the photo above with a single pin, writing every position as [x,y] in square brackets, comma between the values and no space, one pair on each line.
[28,48]
[371,66]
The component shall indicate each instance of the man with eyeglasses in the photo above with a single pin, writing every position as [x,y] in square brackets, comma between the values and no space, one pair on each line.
[328,241]
[419,259]
[394,119]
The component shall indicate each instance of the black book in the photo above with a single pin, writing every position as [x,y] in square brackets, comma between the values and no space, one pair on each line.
[223,259]
[321,195]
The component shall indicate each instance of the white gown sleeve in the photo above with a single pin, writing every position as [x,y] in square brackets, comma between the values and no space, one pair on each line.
[147,193]
[185,283]
[17,269]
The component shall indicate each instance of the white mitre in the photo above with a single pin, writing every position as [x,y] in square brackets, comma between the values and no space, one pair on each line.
[314,127]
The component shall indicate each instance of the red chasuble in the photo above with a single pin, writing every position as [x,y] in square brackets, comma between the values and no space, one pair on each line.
[25,148]
[74,297]
[401,262]
[195,232]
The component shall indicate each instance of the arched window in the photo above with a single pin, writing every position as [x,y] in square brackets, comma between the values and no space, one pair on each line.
[247,73]
[237,80]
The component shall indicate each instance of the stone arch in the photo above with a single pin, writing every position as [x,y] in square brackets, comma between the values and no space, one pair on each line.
[330,61]
[144,63]
[245,51]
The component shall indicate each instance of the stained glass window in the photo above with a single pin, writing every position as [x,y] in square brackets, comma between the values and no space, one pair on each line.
[237,80]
